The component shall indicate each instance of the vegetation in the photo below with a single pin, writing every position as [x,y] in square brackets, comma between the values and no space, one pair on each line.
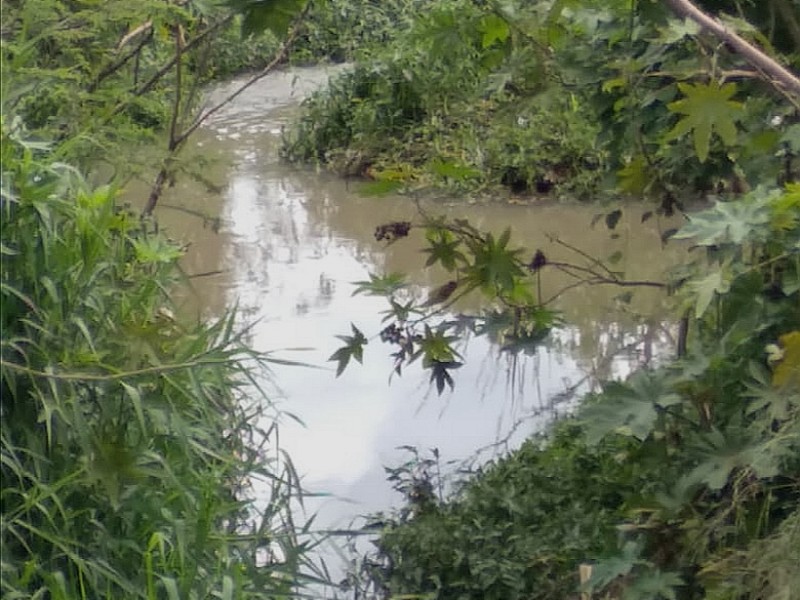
[129,438]
[683,481]
[566,99]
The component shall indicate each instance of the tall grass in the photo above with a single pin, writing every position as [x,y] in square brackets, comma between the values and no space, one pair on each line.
[127,449]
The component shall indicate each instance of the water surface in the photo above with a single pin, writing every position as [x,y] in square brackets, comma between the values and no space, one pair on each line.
[285,244]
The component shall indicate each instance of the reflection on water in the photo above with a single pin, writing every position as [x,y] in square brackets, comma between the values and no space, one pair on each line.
[288,247]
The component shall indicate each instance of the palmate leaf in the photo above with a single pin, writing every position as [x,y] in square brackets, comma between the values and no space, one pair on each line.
[629,409]
[728,222]
[496,268]
[380,285]
[353,348]
[652,584]
[706,109]
[707,288]
[494,29]
[721,452]
[444,249]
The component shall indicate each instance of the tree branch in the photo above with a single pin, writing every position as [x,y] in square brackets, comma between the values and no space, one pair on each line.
[776,72]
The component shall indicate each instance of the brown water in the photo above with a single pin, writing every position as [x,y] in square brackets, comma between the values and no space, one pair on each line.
[285,245]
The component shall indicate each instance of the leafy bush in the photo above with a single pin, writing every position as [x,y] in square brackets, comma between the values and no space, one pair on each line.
[128,439]
[632,104]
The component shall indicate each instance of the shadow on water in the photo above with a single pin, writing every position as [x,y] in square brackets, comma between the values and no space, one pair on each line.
[285,244]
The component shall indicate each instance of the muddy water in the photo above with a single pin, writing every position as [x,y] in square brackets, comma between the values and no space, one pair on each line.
[285,244]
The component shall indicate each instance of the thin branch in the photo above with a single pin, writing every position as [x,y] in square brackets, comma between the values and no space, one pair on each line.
[116,66]
[587,256]
[147,25]
[177,141]
[278,59]
[148,85]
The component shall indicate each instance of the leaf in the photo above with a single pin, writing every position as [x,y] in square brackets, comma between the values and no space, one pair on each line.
[380,188]
[791,138]
[494,29]
[441,376]
[706,109]
[613,218]
[380,285]
[609,569]
[261,15]
[787,371]
[454,170]
[728,222]
[634,177]
[652,584]
[676,30]
[444,249]
[706,288]
[353,348]
[628,409]
[495,269]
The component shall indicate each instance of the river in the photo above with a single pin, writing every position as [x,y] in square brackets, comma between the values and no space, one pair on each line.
[285,245]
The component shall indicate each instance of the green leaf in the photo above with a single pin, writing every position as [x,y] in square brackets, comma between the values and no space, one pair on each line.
[706,288]
[454,170]
[728,222]
[676,30]
[261,15]
[495,269]
[353,348]
[628,409]
[380,188]
[653,584]
[706,109]
[444,249]
[494,29]
[380,285]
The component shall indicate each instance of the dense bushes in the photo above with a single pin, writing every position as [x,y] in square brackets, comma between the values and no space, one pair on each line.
[546,98]
[518,528]
[128,438]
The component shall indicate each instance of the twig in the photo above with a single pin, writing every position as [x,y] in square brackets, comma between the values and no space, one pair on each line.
[279,57]
[116,66]
[177,141]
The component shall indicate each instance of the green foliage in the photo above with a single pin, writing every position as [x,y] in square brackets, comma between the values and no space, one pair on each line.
[231,52]
[261,15]
[128,439]
[551,98]
[343,30]
[516,529]
[706,108]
